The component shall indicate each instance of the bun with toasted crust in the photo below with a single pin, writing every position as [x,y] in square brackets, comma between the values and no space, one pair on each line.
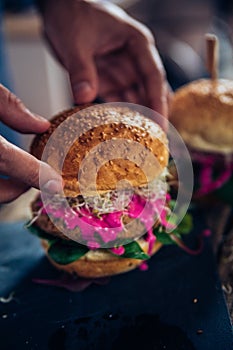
[202,112]
[104,123]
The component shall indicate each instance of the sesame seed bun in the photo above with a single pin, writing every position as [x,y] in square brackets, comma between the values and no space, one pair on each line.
[104,123]
[100,263]
[202,112]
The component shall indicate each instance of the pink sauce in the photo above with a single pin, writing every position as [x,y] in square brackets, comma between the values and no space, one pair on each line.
[118,251]
[149,213]
[150,238]
[93,245]
[206,233]
[108,226]
[143,266]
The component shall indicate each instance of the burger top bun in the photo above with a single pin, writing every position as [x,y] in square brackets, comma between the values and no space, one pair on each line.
[202,112]
[103,123]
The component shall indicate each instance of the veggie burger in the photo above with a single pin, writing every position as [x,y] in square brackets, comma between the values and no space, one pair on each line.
[112,214]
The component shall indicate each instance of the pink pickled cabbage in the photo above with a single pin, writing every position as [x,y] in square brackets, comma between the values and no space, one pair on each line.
[207,161]
[109,225]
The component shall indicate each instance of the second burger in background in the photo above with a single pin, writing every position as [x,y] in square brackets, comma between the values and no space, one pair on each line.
[202,112]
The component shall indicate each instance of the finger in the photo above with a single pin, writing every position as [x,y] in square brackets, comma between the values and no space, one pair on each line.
[152,72]
[116,72]
[169,96]
[11,189]
[113,97]
[22,166]
[14,114]
[132,95]
[118,65]
[109,86]
[114,82]
[83,77]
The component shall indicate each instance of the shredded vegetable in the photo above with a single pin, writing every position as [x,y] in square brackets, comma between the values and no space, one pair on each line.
[209,163]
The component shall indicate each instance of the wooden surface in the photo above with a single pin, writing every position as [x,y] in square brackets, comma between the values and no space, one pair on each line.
[219,219]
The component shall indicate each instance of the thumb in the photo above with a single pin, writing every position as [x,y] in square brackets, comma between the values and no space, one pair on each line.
[14,114]
[83,78]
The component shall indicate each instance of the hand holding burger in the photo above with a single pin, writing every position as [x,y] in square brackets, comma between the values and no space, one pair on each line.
[20,169]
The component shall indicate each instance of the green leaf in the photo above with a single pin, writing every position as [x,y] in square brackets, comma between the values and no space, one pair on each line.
[186,225]
[164,238]
[65,252]
[134,251]
[172,203]
[61,251]
[35,230]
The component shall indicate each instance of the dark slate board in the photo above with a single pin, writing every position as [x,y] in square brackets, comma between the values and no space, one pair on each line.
[152,309]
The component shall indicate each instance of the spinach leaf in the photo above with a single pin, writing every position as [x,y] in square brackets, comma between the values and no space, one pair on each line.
[163,237]
[35,230]
[186,225]
[134,251]
[65,252]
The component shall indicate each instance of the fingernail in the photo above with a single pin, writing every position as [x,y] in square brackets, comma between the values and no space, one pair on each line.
[52,186]
[34,115]
[43,119]
[81,89]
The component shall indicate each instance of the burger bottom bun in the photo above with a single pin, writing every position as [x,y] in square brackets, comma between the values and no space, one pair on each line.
[101,263]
